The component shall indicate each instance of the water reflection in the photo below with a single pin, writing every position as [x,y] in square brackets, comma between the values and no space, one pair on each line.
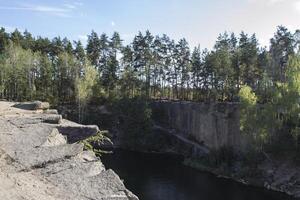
[163,177]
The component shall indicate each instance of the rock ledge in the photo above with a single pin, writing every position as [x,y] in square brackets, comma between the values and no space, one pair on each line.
[41,159]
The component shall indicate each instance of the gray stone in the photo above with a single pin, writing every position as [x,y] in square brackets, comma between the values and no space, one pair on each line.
[78,133]
[39,157]
[37,163]
[51,119]
[36,105]
[20,121]
[50,111]
[212,125]
[55,139]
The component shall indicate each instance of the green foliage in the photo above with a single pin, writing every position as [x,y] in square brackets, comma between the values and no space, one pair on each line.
[247,96]
[17,73]
[96,140]
[282,46]
[150,66]
[84,84]
[248,114]
[84,87]
[134,117]
[281,111]
[290,96]
[265,81]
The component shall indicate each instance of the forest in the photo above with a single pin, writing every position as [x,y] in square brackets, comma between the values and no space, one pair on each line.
[237,69]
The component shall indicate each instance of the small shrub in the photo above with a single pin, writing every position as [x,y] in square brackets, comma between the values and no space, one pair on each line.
[90,142]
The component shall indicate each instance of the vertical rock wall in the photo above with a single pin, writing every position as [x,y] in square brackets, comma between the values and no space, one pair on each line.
[213,125]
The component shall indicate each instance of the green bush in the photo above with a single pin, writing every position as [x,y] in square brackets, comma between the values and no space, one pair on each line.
[90,142]
[134,119]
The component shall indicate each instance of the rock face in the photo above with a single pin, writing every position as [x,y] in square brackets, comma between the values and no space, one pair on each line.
[40,160]
[212,125]
[216,125]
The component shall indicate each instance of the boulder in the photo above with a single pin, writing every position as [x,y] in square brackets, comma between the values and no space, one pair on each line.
[36,105]
[50,111]
[78,133]
[55,139]
[51,119]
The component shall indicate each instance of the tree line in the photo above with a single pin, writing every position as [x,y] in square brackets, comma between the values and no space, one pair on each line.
[60,71]
[265,80]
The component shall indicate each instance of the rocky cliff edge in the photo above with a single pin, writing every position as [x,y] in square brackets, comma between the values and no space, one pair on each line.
[40,158]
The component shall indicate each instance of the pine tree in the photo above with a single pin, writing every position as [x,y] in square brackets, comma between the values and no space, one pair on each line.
[248,49]
[28,40]
[196,69]
[183,67]
[111,66]
[79,51]
[129,80]
[223,72]
[282,46]
[16,37]
[4,40]
[93,49]
[166,63]
[67,45]
[143,59]
[56,48]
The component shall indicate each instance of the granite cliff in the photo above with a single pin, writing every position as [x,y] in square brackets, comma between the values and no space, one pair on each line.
[41,158]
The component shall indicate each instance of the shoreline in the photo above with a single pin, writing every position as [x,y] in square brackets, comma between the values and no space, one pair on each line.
[211,171]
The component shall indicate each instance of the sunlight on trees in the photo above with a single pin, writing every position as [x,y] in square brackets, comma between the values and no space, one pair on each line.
[84,88]
[266,82]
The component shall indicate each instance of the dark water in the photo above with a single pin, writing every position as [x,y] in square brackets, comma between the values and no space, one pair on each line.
[163,177]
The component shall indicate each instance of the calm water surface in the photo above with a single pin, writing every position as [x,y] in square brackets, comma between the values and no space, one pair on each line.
[163,177]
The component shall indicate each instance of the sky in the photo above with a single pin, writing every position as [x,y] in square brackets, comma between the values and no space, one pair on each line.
[199,21]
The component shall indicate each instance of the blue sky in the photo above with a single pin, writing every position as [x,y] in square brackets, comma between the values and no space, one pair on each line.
[199,21]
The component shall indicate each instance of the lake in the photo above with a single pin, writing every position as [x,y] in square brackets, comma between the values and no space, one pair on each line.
[164,177]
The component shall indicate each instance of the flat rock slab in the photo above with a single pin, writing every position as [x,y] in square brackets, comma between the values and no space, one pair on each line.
[28,119]
[37,163]
[77,133]
[75,168]
[40,157]
[36,105]
[16,185]
[14,139]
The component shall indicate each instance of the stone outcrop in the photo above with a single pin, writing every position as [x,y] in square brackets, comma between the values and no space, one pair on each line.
[36,105]
[40,158]
[211,125]
[215,125]
[77,133]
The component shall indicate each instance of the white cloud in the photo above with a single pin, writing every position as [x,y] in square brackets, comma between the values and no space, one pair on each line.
[83,38]
[70,6]
[36,8]
[73,6]
[112,23]
[297,6]
[63,11]
[269,2]
[275,1]
[293,5]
